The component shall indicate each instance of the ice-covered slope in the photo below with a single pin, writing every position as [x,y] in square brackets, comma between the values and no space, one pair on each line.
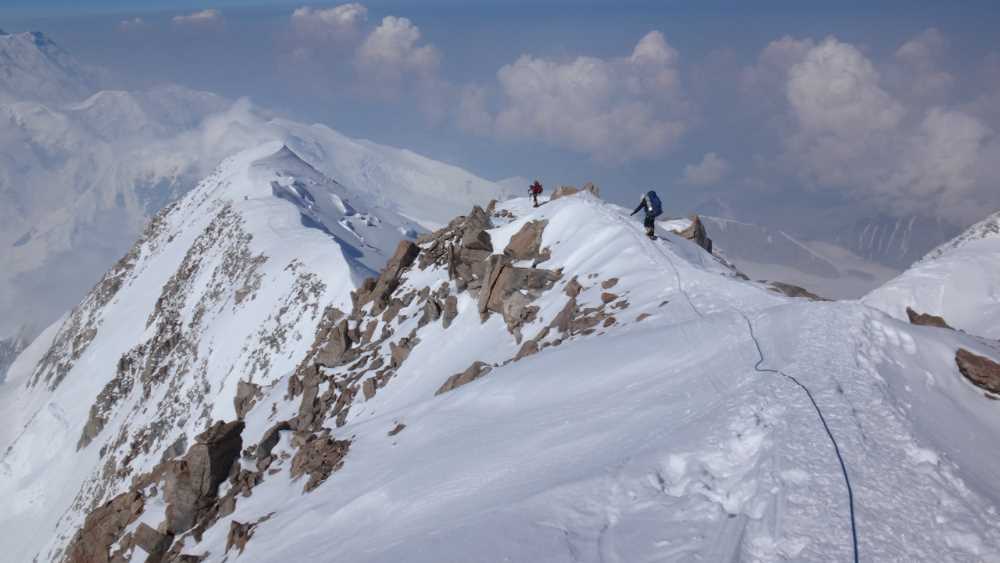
[959,281]
[524,384]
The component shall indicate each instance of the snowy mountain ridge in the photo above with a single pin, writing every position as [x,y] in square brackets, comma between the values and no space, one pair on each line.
[958,281]
[522,384]
[33,67]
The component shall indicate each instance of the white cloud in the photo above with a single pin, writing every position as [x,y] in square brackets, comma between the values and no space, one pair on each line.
[710,171]
[132,24]
[917,73]
[836,90]
[613,109]
[393,51]
[849,133]
[199,18]
[764,82]
[340,23]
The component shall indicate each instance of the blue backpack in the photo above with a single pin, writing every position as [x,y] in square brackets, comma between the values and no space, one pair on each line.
[654,203]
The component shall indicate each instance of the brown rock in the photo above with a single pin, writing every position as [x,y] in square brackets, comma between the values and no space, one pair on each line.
[193,482]
[247,394]
[450,310]
[573,288]
[397,429]
[368,388]
[399,352]
[529,348]
[477,239]
[474,372]
[563,191]
[642,317]
[608,297]
[609,283]
[319,457]
[103,527]
[794,291]
[267,443]
[981,371]
[240,533]
[526,244]
[696,233]
[432,312]
[151,541]
[406,252]
[332,351]
[923,319]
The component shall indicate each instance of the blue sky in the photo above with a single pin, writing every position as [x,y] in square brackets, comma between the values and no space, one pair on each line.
[743,102]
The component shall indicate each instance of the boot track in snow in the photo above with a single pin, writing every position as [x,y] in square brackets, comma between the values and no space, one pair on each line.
[757,367]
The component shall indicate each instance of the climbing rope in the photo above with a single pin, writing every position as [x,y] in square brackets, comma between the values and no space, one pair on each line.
[819,412]
[822,419]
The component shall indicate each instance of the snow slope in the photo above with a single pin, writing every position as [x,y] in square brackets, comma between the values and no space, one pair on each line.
[677,426]
[33,67]
[83,172]
[227,284]
[959,281]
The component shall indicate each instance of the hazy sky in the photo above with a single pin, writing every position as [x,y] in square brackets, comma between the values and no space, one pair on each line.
[790,113]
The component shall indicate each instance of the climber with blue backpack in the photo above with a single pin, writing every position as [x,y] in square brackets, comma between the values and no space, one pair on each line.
[651,203]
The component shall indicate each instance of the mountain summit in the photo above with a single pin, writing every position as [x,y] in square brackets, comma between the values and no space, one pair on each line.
[520,384]
[33,67]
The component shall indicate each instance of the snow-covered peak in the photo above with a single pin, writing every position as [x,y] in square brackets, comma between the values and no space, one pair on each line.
[33,67]
[959,281]
[524,382]
[986,229]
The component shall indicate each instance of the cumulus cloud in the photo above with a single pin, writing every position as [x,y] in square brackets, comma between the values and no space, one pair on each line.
[918,71]
[340,23]
[613,109]
[203,17]
[763,83]
[709,172]
[393,51]
[848,132]
[835,90]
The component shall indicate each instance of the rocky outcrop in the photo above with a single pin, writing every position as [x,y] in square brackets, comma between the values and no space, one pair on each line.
[508,290]
[793,291]
[247,395]
[474,372]
[192,483]
[103,527]
[563,191]
[923,319]
[526,244]
[981,371]
[240,533]
[319,457]
[696,233]
[388,281]
[190,488]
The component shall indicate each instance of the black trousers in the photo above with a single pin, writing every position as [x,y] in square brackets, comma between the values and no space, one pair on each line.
[649,222]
